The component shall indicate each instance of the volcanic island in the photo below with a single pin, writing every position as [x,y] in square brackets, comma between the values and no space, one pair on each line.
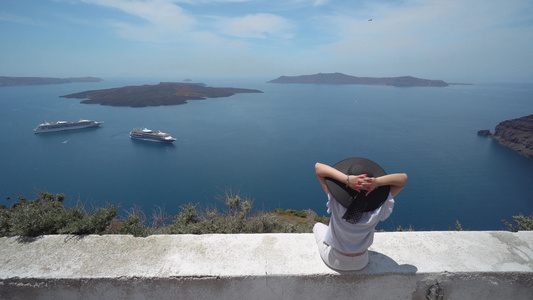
[340,78]
[164,93]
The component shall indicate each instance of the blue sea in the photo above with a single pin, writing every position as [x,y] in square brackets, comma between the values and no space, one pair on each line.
[264,147]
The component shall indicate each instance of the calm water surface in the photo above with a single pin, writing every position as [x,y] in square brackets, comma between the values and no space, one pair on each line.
[265,146]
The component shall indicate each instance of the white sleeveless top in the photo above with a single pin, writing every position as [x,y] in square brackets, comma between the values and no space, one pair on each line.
[354,238]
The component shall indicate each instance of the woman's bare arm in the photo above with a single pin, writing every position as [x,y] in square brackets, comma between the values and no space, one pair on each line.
[396,181]
[360,182]
[356,182]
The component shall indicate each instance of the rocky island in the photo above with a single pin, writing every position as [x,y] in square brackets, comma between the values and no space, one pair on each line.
[340,78]
[516,134]
[164,93]
[14,81]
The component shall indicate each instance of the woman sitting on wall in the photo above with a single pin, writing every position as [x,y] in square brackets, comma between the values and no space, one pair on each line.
[360,194]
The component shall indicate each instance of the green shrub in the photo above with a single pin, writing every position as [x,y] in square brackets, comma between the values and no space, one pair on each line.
[278,211]
[235,219]
[297,213]
[48,215]
[4,221]
[522,223]
[134,226]
[458,227]
[410,228]
[322,219]
[82,223]
[291,212]
[185,222]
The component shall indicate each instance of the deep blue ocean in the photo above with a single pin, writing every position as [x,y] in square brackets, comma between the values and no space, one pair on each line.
[264,146]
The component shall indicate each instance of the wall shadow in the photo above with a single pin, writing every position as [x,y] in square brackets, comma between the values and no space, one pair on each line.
[380,263]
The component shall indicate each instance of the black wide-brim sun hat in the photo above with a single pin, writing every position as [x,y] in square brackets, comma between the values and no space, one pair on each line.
[355,201]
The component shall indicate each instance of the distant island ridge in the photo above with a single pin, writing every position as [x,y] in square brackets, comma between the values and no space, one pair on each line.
[516,134]
[15,81]
[340,78]
[164,93]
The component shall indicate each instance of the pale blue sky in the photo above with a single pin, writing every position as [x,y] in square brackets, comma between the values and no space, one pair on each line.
[453,40]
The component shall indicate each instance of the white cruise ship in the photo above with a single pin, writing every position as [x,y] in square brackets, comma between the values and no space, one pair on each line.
[64,125]
[145,134]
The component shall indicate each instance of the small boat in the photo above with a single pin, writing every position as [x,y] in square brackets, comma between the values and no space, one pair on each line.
[145,134]
[64,125]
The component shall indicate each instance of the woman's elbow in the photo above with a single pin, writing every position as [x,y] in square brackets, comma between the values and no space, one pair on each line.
[404,178]
[322,170]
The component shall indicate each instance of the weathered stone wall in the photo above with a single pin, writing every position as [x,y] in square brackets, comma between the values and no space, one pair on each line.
[403,265]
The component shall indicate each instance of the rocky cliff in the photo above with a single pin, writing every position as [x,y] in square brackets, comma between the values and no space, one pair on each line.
[340,78]
[516,134]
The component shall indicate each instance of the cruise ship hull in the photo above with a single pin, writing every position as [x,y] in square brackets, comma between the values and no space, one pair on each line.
[170,141]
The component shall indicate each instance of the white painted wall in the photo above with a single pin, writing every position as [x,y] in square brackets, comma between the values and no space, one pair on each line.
[469,265]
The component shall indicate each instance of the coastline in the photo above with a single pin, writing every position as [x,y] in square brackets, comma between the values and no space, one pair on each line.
[22,81]
[516,134]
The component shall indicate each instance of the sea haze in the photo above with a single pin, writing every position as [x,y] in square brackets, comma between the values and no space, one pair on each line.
[264,146]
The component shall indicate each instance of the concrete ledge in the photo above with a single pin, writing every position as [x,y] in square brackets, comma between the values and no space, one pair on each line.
[403,265]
